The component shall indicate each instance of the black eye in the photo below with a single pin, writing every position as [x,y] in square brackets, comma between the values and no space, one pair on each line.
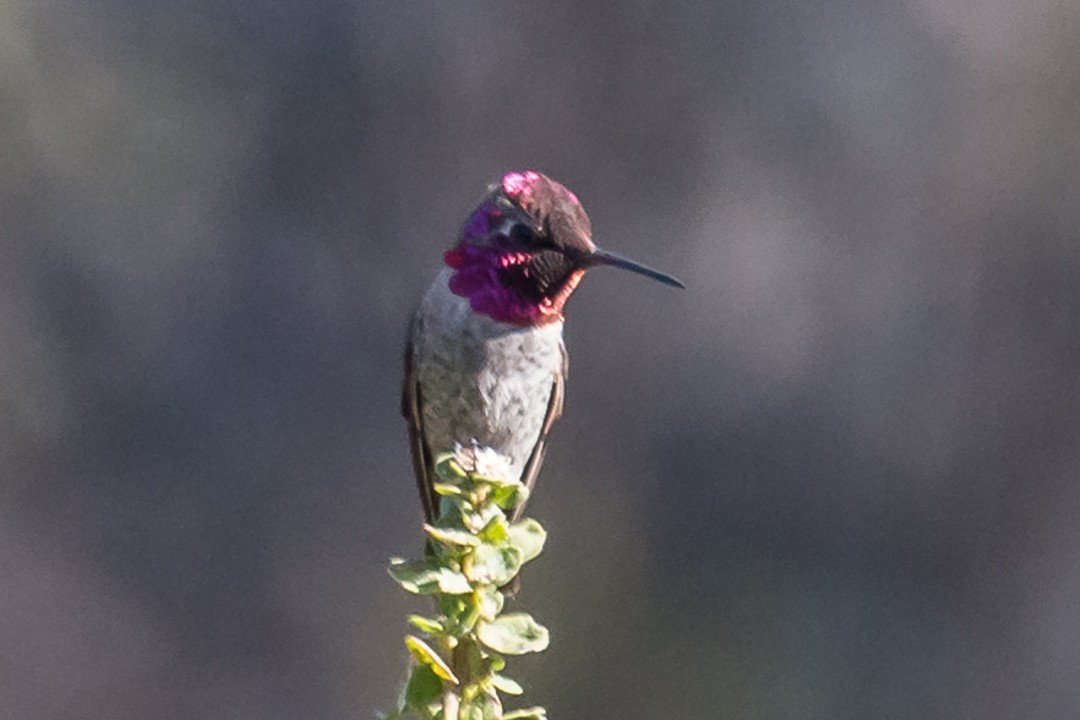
[521,234]
[526,236]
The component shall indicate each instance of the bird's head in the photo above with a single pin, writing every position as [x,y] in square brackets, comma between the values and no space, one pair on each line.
[524,250]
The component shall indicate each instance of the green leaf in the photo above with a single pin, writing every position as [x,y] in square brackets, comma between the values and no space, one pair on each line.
[481,707]
[425,655]
[422,578]
[497,530]
[424,687]
[427,625]
[468,618]
[451,536]
[414,575]
[533,713]
[485,514]
[496,662]
[507,685]
[528,536]
[447,489]
[453,583]
[513,634]
[490,601]
[493,564]
[447,468]
[470,712]
[509,496]
[452,605]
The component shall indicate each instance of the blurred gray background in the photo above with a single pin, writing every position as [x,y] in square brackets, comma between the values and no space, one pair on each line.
[835,478]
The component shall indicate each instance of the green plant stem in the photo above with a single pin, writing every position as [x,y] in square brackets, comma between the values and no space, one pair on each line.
[474,549]
[450,703]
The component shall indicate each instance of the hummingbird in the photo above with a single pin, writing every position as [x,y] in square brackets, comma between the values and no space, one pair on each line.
[485,361]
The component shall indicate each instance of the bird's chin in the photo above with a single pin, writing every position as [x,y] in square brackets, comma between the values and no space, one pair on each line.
[483,276]
[488,296]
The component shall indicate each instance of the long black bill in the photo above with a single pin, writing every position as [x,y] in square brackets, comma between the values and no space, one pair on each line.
[603,257]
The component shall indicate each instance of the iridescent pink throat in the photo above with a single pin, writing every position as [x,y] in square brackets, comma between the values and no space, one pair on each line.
[480,277]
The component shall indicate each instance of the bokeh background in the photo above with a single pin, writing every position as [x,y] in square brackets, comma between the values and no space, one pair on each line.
[834,478]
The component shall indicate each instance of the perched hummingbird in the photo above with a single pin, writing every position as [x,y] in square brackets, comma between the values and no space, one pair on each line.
[485,360]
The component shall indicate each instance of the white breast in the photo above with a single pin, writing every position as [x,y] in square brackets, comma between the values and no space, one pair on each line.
[482,380]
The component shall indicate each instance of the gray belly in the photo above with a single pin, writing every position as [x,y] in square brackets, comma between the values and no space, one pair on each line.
[481,380]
